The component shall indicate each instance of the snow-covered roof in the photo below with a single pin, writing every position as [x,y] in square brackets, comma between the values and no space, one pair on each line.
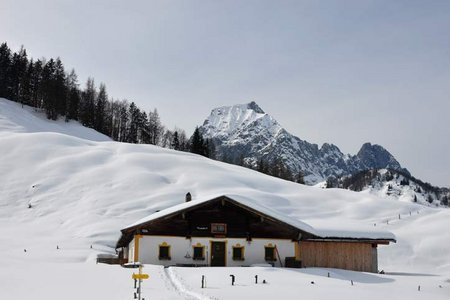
[323,233]
[240,199]
[337,233]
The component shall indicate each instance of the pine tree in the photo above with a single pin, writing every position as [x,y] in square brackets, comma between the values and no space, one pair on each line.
[26,87]
[133,122]
[331,182]
[17,70]
[87,105]
[47,88]
[60,90]
[35,82]
[73,97]
[5,64]
[175,141]
[197,143]
[100,107]
[143,135]
[123,121]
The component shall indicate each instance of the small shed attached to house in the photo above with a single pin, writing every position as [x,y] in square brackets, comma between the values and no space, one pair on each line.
[236,231]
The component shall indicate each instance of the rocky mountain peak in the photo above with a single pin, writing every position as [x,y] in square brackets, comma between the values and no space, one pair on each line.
[253,106]
[244,133]
[376,157]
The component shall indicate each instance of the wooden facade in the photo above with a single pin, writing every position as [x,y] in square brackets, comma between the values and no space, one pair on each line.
[223,219]
[241,222]
[341,255]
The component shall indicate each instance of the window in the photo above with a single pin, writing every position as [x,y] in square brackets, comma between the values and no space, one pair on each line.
[164,251]
[199,252]
[218,228]
[269,253]
[238,252]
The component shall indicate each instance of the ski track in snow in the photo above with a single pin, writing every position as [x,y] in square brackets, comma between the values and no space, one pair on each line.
[181,288]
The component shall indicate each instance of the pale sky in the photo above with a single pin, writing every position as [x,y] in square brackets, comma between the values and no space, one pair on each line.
[344,72]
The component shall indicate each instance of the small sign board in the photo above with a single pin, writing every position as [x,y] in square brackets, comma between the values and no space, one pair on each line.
[139,276]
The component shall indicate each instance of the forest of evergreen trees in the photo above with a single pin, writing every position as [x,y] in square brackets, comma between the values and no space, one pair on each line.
[47,86]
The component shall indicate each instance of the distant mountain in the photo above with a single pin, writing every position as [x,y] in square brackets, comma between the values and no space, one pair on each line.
[245,134]
[393,184]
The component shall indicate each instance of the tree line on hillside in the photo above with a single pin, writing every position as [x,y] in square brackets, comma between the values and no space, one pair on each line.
[47,86]
[276,167]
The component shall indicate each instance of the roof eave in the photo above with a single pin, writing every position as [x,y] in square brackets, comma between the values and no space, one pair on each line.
[383,241]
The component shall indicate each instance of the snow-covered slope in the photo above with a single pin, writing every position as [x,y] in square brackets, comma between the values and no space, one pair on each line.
[62,191]
[246,132]
[15,118]
[394,185]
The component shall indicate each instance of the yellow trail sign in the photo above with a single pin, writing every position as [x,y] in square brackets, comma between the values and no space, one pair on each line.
[139,276]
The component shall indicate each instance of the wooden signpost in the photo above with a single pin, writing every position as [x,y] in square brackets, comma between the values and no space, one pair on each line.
[137,278]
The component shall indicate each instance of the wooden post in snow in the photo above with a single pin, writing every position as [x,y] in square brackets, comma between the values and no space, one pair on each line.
[278,255]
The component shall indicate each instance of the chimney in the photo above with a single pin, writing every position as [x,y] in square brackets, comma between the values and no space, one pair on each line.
[188,197]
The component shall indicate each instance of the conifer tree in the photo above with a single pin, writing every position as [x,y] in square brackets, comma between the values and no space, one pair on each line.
[175,141]
[60,90]
[17,70]
[73,97]
[123,121]
[5,64]
[143,137]
[197,143]
[100,109]
[87,107]
[35,82]
[133,122]
[47,88]
[26,87]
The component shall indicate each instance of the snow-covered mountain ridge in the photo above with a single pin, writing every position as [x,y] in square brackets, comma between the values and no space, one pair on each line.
[245,132]
[392,184]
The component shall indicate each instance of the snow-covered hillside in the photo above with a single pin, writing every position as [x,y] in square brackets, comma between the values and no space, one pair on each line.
[64,186]
[245,133]
[393,185]
[15,118]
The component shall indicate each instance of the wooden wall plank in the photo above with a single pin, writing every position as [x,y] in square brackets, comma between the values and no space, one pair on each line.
[341,255]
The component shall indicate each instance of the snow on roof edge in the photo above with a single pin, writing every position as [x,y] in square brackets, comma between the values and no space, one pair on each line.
[325,233]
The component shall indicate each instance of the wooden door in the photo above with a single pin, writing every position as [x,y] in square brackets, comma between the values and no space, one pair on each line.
[218,254]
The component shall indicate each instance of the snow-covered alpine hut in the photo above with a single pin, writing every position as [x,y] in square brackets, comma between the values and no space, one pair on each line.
[232,230]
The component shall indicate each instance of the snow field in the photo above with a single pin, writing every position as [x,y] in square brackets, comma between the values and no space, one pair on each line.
[83,189]
[312,283]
